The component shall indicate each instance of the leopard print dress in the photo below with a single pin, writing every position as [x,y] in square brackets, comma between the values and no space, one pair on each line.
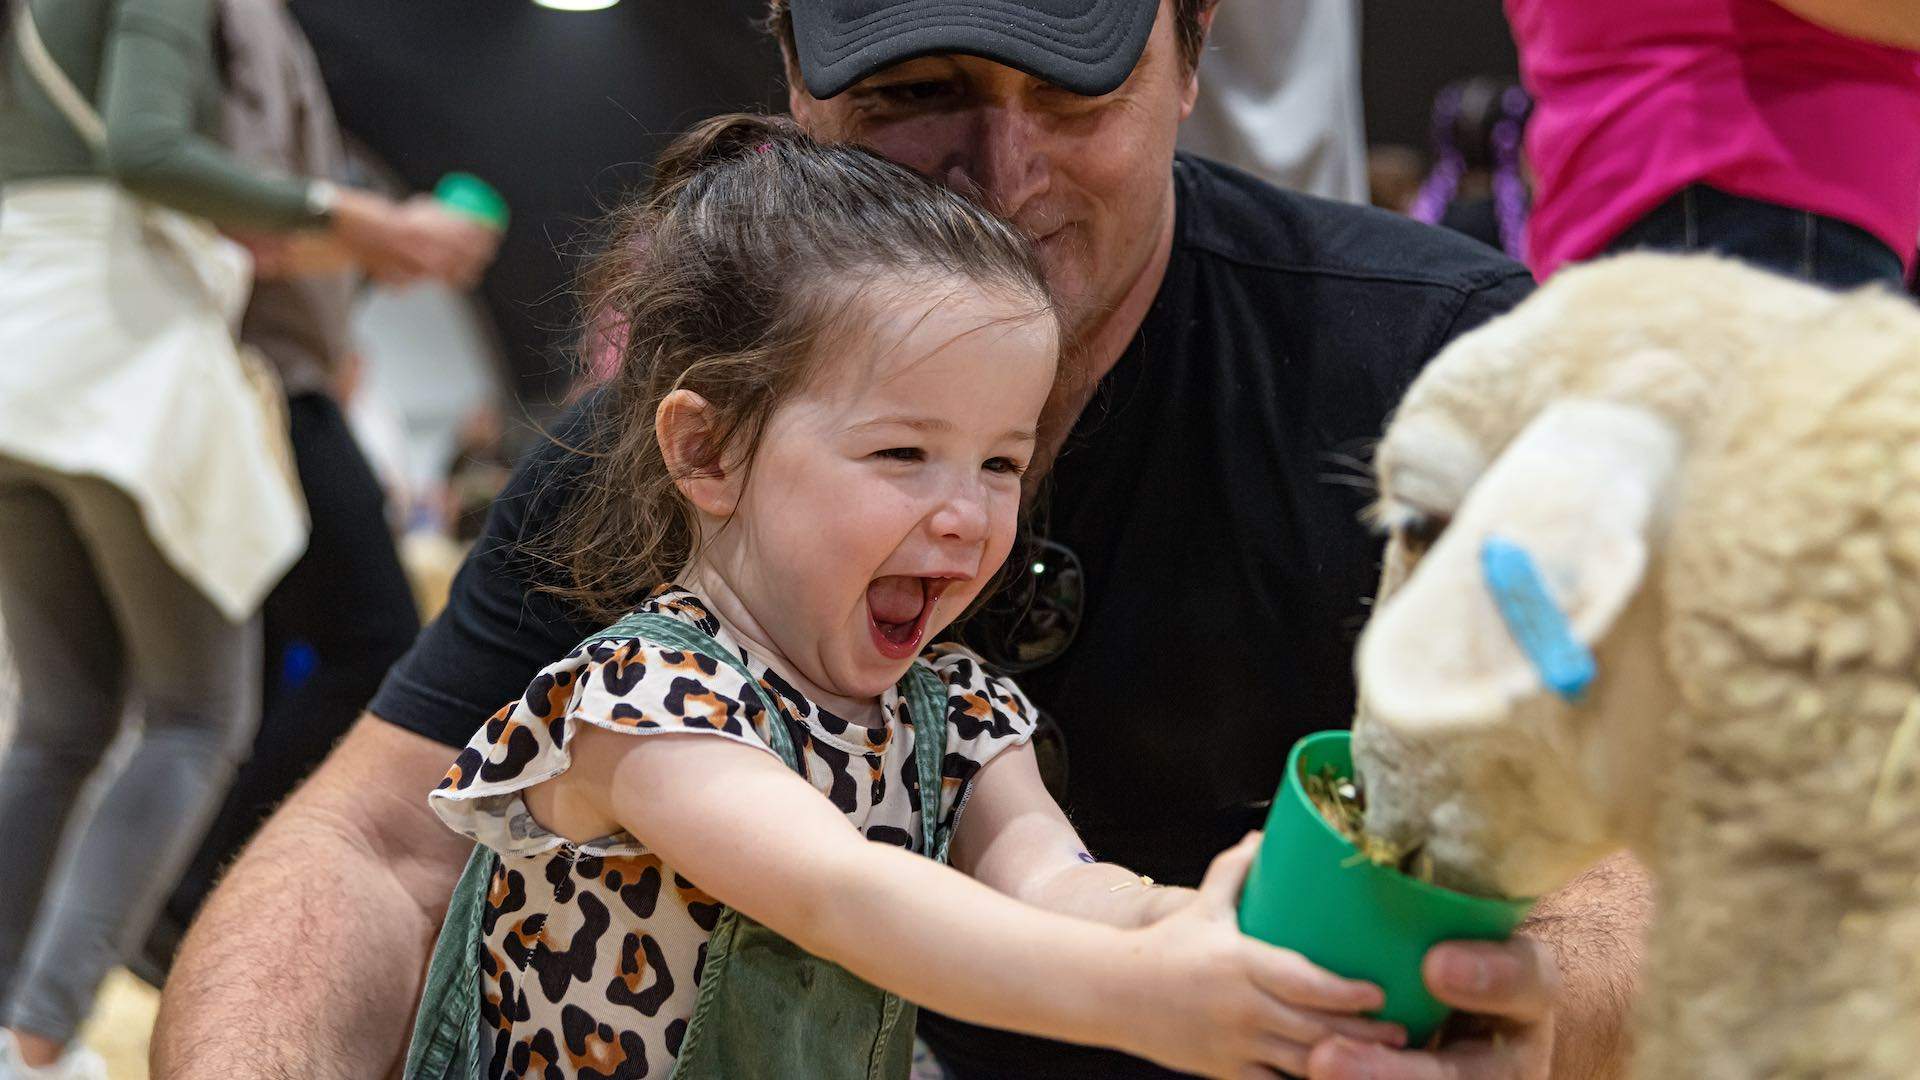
[591,953]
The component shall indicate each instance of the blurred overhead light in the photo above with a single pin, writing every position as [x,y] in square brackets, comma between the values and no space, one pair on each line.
[576,5]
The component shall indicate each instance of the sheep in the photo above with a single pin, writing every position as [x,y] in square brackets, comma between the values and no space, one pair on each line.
[1716,472]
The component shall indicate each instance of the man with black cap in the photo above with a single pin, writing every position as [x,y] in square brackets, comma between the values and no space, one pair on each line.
[1240,345]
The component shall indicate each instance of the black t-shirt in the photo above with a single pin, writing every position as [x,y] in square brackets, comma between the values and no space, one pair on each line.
[1209,493]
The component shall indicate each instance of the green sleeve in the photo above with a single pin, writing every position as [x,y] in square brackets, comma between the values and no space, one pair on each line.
[157,62]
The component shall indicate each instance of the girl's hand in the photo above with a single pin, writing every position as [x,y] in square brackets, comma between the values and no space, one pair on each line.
[1202,997]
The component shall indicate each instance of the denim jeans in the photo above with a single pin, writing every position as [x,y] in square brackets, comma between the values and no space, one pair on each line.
[347,603]
[1797,243]
[97,618]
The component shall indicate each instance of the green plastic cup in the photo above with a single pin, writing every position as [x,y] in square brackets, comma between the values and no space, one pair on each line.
[467,194]
[1311,891]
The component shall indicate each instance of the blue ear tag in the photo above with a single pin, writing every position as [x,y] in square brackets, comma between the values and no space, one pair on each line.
[1537,624]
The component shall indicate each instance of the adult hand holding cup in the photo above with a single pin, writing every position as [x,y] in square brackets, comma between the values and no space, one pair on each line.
[1312,891]
[421,238]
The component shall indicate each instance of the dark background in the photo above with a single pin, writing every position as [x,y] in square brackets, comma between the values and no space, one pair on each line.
[1409,49]
[562,111]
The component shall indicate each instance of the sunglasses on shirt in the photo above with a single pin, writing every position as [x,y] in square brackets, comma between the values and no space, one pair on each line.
[1032,619]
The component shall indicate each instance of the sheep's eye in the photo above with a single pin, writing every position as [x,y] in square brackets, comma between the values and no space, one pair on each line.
[1421,530]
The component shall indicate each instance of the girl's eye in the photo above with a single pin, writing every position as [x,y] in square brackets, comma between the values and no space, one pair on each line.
[902,453]
[1004,465]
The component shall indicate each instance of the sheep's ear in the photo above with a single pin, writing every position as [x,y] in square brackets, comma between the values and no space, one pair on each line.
[1580,492]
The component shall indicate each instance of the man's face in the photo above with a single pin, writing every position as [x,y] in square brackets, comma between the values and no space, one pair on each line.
[1087,177]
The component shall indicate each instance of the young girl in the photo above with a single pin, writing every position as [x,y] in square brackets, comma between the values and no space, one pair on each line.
[712,833]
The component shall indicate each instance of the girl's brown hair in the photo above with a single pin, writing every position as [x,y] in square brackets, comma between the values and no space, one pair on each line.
[745,256]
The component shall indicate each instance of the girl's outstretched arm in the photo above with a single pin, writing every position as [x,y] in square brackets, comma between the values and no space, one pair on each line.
[1189,991]
[1015,839]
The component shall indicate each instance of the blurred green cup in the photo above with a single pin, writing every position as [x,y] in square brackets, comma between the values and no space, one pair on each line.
[467,194]
[1311,891]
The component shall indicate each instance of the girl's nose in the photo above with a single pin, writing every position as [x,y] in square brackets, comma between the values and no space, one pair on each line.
[962,515]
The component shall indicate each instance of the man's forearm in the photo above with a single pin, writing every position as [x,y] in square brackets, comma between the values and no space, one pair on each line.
[307,961]
[1596,927]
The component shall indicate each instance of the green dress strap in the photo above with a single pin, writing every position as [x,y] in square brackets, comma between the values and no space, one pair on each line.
[921,690]
[446,1042]
[656,629]
[766,1007]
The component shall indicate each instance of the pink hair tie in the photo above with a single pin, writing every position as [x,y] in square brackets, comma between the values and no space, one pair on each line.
[763,148]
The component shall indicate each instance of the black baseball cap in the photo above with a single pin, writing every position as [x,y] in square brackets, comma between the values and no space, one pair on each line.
[1086,46]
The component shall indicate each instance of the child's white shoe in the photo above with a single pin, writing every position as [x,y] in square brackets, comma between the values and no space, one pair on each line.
[78,1063]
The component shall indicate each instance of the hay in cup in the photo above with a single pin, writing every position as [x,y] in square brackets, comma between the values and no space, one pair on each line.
[1341,803]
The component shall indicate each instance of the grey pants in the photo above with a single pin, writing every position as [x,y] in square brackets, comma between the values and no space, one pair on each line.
[97,620]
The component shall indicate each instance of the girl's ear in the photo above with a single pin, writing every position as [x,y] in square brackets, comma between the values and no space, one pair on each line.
[683,425]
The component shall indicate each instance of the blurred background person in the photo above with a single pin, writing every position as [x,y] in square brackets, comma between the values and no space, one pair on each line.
[344,612]
[1394,175]
[1782,132]
[1280,96]
[145,505]
[1478,184]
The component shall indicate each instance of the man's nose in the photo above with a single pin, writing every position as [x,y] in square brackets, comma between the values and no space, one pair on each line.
[1006,161]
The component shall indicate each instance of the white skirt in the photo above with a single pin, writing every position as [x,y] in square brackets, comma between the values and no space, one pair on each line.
[117,360]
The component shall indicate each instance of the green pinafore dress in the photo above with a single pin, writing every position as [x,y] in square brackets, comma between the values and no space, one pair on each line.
[766,1007]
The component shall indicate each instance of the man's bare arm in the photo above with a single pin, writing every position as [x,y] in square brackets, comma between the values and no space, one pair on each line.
[306,962]
[1597,928]
[1551,1004]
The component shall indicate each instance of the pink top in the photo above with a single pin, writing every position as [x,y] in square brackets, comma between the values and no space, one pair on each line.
[1636,99]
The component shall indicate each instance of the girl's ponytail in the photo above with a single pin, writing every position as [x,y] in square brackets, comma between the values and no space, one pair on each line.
[712,142]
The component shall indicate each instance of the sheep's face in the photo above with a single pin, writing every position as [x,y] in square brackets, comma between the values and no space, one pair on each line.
[1508,786]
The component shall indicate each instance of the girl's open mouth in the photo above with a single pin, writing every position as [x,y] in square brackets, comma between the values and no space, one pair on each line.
[898,609]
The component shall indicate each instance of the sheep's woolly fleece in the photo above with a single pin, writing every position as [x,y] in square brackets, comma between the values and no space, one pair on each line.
[1788,939]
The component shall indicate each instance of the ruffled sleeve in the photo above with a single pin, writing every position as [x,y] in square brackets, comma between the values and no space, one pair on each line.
[986,715]
[620,684]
